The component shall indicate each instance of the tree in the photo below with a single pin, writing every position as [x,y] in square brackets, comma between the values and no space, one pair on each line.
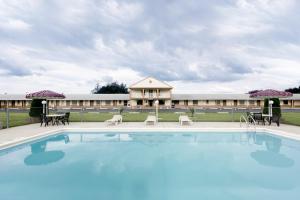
[36,108]
[110,88]
[276,110]
[294,90]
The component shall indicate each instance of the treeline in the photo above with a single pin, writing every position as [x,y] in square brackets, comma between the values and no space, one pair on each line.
[110,88]
[295,90]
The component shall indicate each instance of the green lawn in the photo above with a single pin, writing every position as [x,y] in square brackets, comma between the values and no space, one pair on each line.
[17,119]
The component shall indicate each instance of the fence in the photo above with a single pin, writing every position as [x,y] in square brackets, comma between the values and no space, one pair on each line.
[15,117]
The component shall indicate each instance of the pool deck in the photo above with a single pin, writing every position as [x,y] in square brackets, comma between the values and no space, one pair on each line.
[16,135]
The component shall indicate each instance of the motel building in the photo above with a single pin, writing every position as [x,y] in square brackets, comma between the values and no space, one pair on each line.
[143,94]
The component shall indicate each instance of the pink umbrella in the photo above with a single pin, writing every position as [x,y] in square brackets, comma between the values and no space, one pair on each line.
[270,94]
[45,94]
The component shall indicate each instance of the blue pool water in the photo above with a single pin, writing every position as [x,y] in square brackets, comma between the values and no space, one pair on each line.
[156,166]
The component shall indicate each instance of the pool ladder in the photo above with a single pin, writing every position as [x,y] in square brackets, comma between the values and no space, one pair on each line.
[249,121]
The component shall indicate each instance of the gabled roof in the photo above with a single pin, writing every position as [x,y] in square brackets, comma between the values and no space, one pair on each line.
[150,82]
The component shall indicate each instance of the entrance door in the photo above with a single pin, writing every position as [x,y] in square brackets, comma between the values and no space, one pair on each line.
[186,102]
[150,103]
[235,103]
[80,103]
[224,103]
[258,103]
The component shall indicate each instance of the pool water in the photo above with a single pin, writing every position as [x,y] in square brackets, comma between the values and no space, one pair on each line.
[156,166]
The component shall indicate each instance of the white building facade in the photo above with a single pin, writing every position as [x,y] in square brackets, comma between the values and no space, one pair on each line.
[143,94]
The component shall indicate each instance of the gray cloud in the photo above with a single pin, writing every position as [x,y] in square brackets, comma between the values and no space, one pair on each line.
[194,41]
[13,69]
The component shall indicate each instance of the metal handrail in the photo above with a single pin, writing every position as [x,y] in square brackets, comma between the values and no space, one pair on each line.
[247,121]
[243,118]
[253,120]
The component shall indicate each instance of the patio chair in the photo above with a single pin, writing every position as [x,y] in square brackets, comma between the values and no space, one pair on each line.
[65,118]
[151,119]
[45,120]
[184,119]
[115,119]
[258,117]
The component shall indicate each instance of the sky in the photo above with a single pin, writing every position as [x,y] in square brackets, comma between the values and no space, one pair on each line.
[197,46]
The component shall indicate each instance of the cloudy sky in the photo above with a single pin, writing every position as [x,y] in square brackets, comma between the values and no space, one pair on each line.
[198,46]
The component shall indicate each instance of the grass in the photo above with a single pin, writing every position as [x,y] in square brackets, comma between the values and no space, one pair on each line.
[18,119]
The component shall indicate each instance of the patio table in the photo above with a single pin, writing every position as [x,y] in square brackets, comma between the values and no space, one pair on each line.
[55,118]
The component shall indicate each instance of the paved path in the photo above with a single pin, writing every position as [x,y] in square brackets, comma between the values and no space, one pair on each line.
[16,135]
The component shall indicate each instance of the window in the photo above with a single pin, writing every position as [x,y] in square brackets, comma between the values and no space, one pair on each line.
[98,102]
[286,102]
[195,102]
[207,101]
[107,102]
[218,102]
[242,102]
[125,103]
[68,103]
[251,102]
[120,101]
[74,103]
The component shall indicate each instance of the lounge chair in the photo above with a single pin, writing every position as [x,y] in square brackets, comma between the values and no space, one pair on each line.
[115,120]
[151,119]
[184,119]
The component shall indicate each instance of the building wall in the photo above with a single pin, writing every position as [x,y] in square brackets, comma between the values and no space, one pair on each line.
[133,103]
[145,94]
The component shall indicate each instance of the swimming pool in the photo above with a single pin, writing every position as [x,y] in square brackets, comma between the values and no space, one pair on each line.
[152,165]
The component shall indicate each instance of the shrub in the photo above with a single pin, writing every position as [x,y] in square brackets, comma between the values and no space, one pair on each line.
[36,108]
[121,110]
[192,111]
[276,110]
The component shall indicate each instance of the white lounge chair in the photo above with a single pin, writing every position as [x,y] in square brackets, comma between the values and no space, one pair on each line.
[185,119]
[115,119]
[151,119]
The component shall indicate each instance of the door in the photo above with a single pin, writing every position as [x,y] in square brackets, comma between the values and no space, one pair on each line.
[186,102]
[235,103]
[80,103]
[91,103]
[258,103]
[150,103]
[224,103]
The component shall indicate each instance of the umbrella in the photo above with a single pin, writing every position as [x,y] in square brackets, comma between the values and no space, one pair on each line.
[270,94]
[45,94]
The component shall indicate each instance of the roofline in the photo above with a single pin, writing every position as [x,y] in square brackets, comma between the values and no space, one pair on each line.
[149,77]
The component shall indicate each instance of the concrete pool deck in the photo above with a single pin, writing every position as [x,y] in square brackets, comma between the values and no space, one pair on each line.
[16,135]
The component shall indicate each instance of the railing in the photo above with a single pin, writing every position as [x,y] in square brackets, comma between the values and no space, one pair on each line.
[16,117]
[247,121]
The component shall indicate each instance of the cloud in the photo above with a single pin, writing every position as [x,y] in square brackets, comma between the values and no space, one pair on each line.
[12,69]
[216,46]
